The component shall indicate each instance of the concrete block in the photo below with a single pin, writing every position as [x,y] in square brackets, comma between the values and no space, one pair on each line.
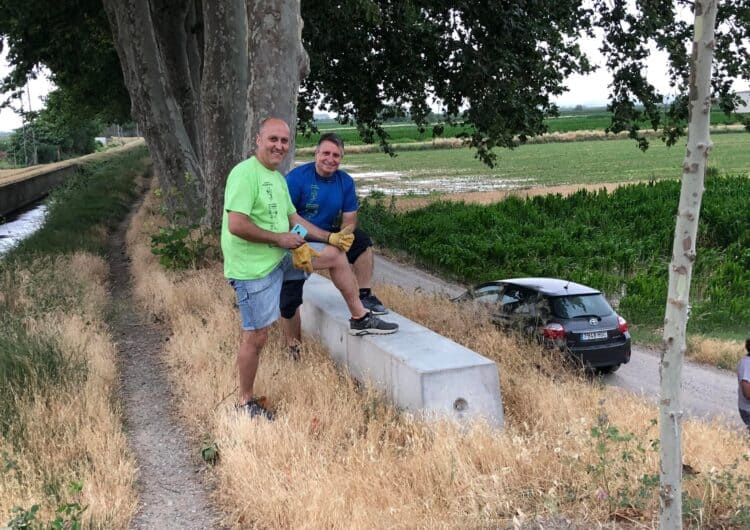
[417,369]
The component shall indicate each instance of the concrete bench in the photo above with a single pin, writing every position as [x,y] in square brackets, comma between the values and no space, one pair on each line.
[417,369]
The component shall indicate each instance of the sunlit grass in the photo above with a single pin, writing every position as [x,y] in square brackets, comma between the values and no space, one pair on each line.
[59,419]
[337,456]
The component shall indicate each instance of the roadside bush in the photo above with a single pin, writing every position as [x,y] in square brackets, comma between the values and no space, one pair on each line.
[180,247]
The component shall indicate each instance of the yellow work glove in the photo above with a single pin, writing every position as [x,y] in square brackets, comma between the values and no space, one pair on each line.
[302,257]
[344,239]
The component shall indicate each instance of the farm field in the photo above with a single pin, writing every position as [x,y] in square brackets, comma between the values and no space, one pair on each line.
[586,162]
[576,237]
[594,119]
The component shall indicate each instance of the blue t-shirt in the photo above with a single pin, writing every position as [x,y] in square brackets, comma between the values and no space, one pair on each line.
[318,199]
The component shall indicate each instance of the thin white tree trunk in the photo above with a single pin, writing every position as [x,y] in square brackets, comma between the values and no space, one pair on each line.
[680,270]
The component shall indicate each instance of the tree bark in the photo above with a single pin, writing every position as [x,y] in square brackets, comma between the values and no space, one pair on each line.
[223,98]
[278,64]
[154,105]
[201,76]
[680,270]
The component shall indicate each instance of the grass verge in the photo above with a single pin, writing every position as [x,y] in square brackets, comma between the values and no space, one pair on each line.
[60,423]
[339,457]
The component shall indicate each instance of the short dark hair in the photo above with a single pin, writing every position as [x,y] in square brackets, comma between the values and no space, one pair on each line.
[333,138]
[747,346]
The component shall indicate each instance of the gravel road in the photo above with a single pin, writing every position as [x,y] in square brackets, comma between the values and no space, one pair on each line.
[707,392]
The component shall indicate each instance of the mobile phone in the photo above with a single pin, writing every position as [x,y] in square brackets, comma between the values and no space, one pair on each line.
[300,230]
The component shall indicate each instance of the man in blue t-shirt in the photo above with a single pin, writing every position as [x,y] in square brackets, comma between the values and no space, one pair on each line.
[325,196]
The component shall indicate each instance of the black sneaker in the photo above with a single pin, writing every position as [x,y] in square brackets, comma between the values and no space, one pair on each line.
[293,350]
[371,325]
[254,408]
[373,305]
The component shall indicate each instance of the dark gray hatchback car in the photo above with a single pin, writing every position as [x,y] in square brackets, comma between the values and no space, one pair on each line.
[559,314]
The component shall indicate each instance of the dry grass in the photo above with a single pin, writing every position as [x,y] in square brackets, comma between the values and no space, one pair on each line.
[72,434]
[716,352]
[339,457]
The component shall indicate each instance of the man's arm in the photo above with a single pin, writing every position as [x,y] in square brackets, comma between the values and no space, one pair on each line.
[745,386]
[240,225]
[313,232]
[349,218]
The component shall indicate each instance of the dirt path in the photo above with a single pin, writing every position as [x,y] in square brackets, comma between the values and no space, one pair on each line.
[172,494]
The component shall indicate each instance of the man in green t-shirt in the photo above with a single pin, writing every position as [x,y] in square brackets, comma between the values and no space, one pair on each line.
[255,241]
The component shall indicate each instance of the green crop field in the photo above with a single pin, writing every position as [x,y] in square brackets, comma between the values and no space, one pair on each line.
[619,242]
[558,163]
[595,119]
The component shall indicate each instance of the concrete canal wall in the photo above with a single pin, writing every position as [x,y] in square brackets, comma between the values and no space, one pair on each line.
[25,186]
[17,193]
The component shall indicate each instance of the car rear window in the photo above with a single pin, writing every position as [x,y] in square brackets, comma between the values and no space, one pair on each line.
[581,305]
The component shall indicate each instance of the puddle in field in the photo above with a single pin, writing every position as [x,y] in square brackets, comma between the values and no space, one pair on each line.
[394,183]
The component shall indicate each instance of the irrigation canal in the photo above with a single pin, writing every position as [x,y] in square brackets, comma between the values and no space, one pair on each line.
[21,224]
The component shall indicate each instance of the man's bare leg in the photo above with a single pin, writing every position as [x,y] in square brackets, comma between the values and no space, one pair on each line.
[363,267]
[342,277]
[248,357]
[292,328]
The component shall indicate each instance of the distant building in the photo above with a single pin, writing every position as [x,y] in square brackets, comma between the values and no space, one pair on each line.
[745,97]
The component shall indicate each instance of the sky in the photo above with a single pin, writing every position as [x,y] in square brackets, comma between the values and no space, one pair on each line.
[590,90]
[38,88]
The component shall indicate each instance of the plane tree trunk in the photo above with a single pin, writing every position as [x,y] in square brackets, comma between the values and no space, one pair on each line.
[201,75]
[680,269]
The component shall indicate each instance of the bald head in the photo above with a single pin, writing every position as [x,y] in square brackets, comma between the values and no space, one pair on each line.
[272,142]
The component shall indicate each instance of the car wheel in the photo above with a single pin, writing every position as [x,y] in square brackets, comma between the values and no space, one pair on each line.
[607,369]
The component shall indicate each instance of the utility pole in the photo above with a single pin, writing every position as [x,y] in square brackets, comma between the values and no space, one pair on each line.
[23,136]
[34,158]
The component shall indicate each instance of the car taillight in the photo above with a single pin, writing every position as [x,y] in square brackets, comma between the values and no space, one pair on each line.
[553,331]
[622,324]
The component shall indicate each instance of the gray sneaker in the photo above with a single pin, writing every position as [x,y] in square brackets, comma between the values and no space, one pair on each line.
[255,408]
[373,305]
[371,325]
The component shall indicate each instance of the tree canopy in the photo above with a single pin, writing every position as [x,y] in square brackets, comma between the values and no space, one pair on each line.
[198,75]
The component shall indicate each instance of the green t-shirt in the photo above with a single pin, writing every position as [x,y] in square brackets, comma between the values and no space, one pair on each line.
[262,195]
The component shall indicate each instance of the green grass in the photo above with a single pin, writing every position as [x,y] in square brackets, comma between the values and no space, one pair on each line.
[587,162]
[398,133]
[99,194]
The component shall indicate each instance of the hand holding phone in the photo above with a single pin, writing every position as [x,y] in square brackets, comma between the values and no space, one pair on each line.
[299,230]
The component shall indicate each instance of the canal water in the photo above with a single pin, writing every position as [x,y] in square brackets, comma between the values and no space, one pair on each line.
[20,225]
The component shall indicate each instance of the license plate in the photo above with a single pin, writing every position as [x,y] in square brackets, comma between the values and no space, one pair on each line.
[594,335]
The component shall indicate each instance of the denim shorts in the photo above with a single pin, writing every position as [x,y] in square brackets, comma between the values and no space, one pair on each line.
[258,299]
